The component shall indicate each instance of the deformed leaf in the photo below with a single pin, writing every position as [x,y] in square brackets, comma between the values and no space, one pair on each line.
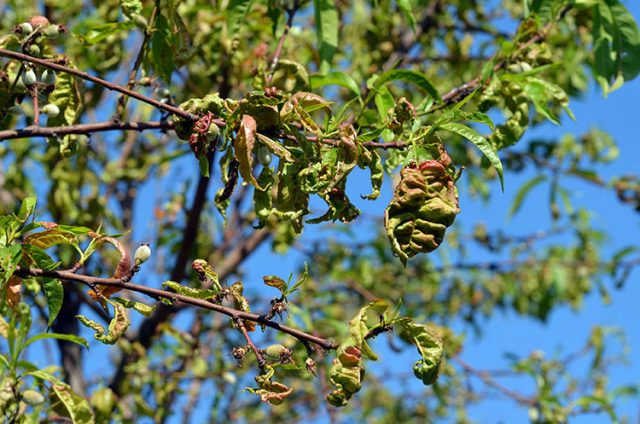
[430,347]
[244,144]
[241,303]
[142,308]
[274,281]
[189,291]
[117,327]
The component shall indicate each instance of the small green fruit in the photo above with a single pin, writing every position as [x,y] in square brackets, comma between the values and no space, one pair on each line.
[34,50]
[29,78]
[51,110]
[142,254]
[32,397]
[51,31]
[25,28]
[264,156]
[275,351]
[48,77]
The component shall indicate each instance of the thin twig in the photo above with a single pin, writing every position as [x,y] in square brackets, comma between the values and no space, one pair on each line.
[247,337]
[36,108]
[87,129]
[276,56]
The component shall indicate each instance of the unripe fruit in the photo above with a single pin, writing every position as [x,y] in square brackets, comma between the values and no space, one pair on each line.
[142,254]
[48,77]
[51,110]
[275,351]
[264,156]
[51,31]
[25,28]
[31,397]
[29,77]
[163,92]
[34,50]
[38,21]
[213,132]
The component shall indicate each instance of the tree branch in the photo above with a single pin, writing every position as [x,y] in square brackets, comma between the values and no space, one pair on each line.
[175,297]
[114,87]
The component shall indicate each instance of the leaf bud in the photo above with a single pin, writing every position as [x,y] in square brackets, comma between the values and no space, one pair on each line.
[143,252]
[29,78]
[32,397]
[48,77]
[51,110]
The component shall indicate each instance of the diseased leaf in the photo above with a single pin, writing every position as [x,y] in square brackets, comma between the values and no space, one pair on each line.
[117,327]
[9,260]
[51,237]
[140,307]
[189,291]
[429,345]
[240,302]
[481,143]
[274,281]
[243,145]
[67,97]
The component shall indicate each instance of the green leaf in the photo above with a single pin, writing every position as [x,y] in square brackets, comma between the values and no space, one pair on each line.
[522,193]
[162,59]
[481,143]
[335,78]
[407,75]
[99,33]
[65,401]
[301,279]
[616,45]
[68,337]
[55,294]
[26,208]
[327,22]
[9,260]
[236,13]
[275,281]
[405,8]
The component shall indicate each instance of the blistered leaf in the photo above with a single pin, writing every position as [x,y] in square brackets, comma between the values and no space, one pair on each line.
[429,345]
[206,272]
[117,327]
[274,281]
[276,148]
[67,97]
[189,291]
[241,303]
[346,374]
[424,204]
[271,392]
[140,307]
